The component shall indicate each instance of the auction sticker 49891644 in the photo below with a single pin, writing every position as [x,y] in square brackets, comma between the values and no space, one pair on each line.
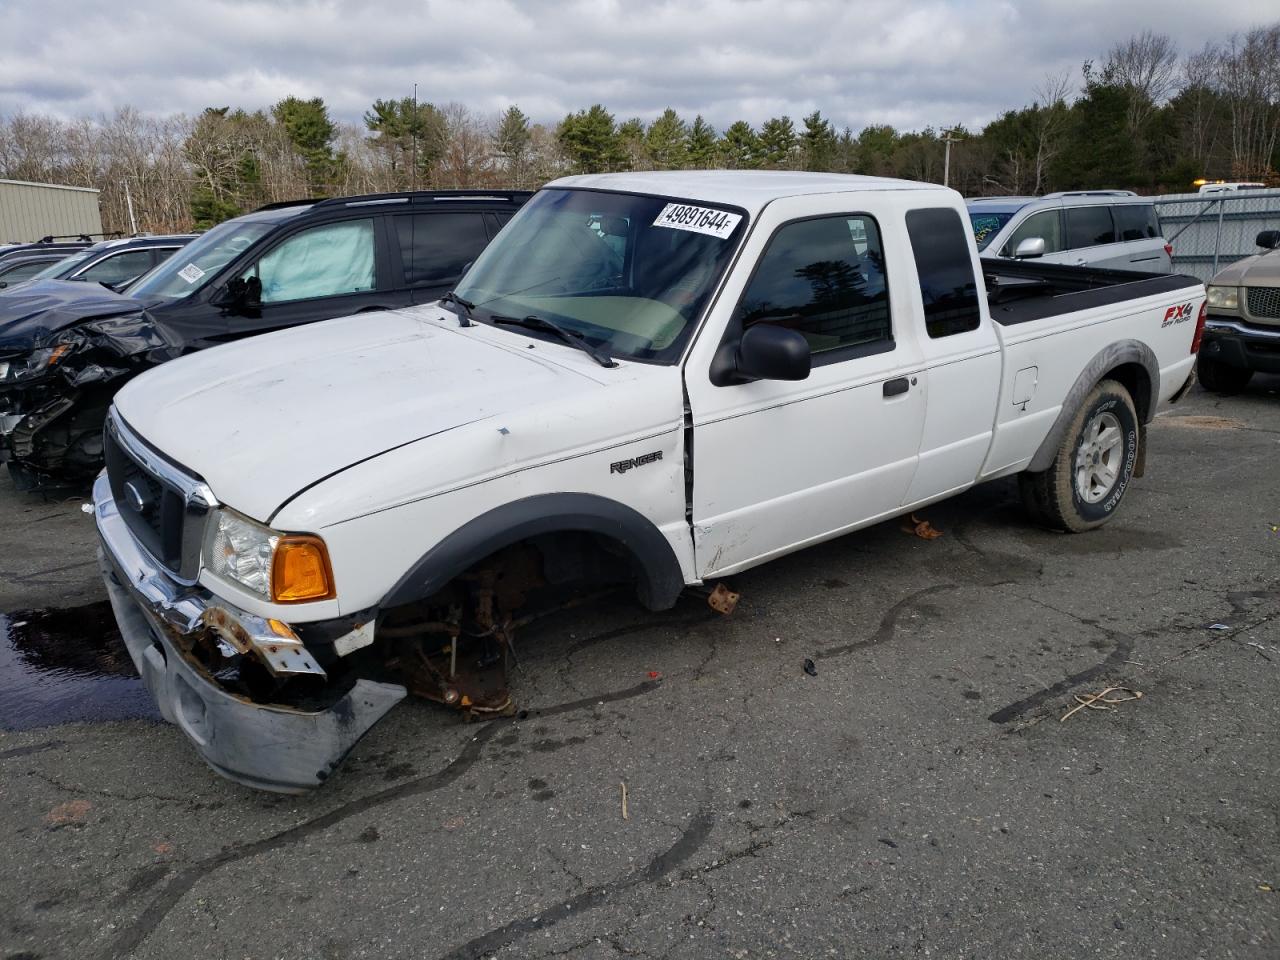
[684,216]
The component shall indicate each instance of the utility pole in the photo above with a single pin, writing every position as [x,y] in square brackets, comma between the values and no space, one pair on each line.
[128,202]
[946,162]
[413,128]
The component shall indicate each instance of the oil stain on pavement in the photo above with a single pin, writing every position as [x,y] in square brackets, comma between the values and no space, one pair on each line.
[65,666]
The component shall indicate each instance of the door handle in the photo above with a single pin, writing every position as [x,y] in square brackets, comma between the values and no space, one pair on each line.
[896,386]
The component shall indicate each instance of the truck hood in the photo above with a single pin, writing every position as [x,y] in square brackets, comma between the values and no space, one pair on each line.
[264,418]
[32,312]
[1262,270]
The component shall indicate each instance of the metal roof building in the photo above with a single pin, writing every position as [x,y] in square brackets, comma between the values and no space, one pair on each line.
[29,211]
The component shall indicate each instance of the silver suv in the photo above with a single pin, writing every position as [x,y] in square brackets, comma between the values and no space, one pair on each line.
[1097,228]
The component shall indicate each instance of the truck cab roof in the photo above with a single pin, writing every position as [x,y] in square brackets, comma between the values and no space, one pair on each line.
[751,190]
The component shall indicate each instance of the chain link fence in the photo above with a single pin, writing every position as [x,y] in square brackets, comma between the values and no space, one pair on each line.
[1210,231]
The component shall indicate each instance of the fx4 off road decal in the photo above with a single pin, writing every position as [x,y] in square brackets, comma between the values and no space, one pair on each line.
[1179,313]
[622,466]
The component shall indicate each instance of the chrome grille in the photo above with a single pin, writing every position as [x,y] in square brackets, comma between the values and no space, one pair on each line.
[164,508]
[1263,301]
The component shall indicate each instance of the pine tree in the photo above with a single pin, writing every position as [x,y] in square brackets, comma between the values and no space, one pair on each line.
[740,147]
[308,127]
[666,141]
[513,141]
[631,151]
[778,142]
[399,134]
[589,139]
[701,149]
[818,143]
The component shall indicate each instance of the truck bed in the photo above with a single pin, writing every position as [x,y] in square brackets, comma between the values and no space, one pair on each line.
[1019,291]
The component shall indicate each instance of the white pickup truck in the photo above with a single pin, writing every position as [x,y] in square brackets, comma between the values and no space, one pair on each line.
[652,378]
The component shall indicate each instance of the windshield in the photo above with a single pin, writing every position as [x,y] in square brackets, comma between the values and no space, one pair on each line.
[987,225]
[630,274]
[196,264]
[60,268]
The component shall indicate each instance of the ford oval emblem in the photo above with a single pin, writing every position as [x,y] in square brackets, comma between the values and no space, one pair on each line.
[135,498]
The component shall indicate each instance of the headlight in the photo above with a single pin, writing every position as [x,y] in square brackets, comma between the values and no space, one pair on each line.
[283,568]
[33,364]
[1224,298]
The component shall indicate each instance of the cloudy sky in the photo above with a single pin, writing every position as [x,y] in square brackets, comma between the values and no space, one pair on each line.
[902,62]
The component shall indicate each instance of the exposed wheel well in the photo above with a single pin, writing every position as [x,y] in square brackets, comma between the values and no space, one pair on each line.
[564,528]
[1135,378]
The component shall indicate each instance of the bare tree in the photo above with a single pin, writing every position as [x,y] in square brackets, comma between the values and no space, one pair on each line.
[1146,66]
[1201,126]
[467,158]
[1249,79]
[1051,122]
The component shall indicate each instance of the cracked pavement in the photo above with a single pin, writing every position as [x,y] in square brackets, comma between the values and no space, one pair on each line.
[918,795]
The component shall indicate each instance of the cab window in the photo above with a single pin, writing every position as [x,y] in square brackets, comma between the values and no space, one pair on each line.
[324,261]
[824,278]
[1047,225]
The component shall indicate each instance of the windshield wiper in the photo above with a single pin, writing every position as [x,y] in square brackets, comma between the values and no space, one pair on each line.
[571,337]
[464,318]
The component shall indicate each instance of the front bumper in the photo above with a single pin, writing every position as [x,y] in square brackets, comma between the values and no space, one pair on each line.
[8,423]
[1239,344]
[270,747]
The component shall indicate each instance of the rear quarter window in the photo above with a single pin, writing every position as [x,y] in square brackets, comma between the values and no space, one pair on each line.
[1136,221]
[948,286]
[436,246]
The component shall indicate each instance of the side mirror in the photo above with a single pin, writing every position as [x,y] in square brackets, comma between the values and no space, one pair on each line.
[766,352]
[1029,249]
[242,296]
[1270,239]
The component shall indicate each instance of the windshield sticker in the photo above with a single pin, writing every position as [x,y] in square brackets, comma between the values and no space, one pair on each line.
[682,216]
[191,273]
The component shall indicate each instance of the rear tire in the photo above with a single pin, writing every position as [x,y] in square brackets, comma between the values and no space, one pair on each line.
[1220,377]
[1093,465]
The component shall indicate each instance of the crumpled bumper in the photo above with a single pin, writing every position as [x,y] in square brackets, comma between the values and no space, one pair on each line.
[8,422]
[269,747]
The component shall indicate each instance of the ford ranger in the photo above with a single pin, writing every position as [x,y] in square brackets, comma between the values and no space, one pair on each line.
[653,379]
[1242,329]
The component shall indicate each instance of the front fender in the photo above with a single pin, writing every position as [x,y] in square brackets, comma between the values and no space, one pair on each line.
[658,573]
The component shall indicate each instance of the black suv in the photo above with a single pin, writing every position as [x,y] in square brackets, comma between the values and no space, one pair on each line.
[62,360]
[112,262]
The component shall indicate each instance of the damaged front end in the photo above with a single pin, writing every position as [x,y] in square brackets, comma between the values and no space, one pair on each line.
[55,394]
[276,705]
[256,704]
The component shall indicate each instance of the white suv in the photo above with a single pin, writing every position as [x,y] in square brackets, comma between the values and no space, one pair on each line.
[1100,228]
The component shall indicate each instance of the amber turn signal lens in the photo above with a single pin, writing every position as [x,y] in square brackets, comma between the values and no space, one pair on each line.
[300,570]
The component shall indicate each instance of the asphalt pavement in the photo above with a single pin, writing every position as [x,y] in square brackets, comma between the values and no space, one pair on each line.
[917,793]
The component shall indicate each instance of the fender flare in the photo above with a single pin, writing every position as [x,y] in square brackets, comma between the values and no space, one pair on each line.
[659,577]
[1107,359]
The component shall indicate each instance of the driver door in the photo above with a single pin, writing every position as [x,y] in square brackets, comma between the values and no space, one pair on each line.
[780,464]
